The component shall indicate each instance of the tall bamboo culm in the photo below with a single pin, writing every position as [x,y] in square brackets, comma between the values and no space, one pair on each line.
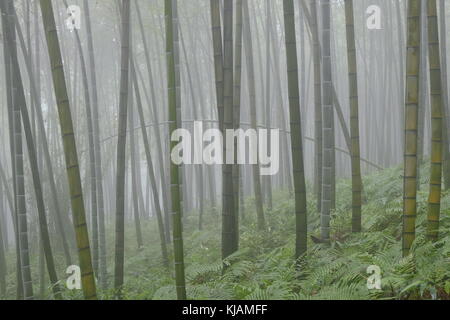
[98,157]
[296,129]
[237,115]
[354,117]
[218,56]
[411,125]
[175,188]
[445,96]
[318,144]
[434,200]
[328,123]
[150,166]
[251,77]
[24,267]
[70,151]
[121,150]
[228,214]
[20,100]
[9,101]
[90,133]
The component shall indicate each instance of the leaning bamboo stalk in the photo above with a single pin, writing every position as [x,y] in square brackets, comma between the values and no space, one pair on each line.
[24,268]
[70,151]
[35,95]
[21,101]
[92,169]
[150,167]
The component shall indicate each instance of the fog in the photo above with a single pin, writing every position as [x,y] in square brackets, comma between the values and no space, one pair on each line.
[96,174]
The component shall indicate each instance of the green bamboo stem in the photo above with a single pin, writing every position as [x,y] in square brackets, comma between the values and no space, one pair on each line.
[434,199]
[354,118]
[70,151]
[121,151]
[328,124]
[411,125]
[177,227]
[296,129]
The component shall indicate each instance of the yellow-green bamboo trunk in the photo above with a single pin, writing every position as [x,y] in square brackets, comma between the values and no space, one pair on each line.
[90,133]
[434,200]
[177,227]
[296,129]
[354,117]
[70,151]
[411,125]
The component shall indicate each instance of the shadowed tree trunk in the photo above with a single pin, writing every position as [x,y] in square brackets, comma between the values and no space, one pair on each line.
[229,245]
[354,118]
[296,129]
[121,150]
[175,187]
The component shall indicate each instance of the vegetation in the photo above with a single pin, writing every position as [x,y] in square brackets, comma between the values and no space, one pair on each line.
[224,149]
[264,268]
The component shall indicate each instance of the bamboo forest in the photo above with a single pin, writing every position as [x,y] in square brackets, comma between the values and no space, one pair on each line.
[224,150]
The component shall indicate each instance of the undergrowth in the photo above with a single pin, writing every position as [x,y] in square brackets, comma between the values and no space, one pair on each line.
[264,267]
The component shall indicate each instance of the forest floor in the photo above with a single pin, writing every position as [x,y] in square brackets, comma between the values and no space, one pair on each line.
[264,267]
